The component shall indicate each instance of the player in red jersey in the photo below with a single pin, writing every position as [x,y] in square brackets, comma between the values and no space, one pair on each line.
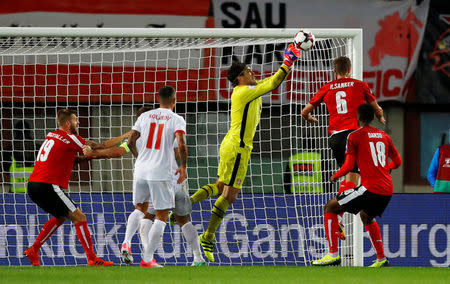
[50,177]
[370,148]
[342,97]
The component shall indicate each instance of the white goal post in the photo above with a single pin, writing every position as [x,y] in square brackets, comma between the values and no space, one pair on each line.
[105,74]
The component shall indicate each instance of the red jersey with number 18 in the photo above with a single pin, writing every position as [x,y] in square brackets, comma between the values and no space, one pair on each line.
[342,98]
[56,157]
[372,147]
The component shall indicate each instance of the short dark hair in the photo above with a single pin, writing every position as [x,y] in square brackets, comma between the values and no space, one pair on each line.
[342,65]
[366,113]
[143,109]
[234,71]
[166,94]
[64,115]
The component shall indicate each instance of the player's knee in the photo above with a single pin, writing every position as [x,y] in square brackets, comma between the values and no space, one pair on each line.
[220,186]
[142,207]
[77,217]
[61,219]
[331,206]
[182,220]
[366,220]
[149,216]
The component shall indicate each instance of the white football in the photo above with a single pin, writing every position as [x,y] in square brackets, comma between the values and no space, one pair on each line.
[304,40]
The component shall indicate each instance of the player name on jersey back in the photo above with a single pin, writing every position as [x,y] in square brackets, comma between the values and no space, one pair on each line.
[375,135]
[341,85]
[156,158]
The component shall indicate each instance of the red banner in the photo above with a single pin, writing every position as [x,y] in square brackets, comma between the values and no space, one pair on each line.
[140,7]
[94,84]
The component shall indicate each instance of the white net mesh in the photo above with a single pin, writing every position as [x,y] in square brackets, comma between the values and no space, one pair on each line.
[278,217]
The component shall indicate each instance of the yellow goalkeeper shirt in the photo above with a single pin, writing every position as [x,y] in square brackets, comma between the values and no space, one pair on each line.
[246,104]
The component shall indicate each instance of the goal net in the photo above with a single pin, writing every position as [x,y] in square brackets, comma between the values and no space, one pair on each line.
[107,74]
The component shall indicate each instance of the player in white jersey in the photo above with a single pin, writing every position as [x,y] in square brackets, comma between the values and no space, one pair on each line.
[182,210]
[152,179]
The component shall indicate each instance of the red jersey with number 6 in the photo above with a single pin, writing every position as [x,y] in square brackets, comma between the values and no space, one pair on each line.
[342,98]
[372,147]
[56,157]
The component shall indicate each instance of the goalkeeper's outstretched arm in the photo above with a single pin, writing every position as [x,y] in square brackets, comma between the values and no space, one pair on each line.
[241,75]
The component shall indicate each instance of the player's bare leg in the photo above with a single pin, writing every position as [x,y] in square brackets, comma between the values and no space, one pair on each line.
[331,211]
[155,238]
[207,239]
[47,231]
[190,233]
[132,226]
[84,236]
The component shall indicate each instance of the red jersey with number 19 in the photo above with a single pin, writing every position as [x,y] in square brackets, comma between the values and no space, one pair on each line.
[342,98]
[372,147]
[56,157]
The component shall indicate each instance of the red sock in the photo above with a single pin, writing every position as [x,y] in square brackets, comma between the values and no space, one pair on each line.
[331,230]
[47,231]
[375,238]
[85,239]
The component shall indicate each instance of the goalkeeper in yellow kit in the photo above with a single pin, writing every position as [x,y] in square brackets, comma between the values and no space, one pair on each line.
[236,147]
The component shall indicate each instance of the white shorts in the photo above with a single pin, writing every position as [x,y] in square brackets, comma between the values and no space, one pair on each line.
[183,206]
[159,193]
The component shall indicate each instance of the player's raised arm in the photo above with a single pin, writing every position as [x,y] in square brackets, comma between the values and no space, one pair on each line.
[116,140]
[378,112]
[183,154]
[242,75]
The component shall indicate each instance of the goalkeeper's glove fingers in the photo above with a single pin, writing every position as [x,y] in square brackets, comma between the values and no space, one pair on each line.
[291,54]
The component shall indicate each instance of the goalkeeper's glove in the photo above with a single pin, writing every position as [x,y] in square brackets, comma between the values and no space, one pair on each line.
[291,54]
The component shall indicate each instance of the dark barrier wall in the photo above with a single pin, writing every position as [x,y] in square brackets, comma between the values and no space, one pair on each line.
[262,230]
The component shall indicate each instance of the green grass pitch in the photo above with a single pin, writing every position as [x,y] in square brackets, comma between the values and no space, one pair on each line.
[223,274]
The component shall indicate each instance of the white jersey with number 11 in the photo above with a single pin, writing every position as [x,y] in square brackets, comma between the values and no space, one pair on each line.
[157,130]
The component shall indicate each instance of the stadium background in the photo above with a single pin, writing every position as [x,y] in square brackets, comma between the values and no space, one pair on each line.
[415,96]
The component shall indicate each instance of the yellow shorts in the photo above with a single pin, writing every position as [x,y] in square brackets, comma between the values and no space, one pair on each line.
[233,164]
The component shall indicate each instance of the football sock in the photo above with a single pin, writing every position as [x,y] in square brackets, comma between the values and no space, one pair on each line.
[331,231]
[145,226]
[154,239]
[85,239]
[191,235]
[375,238]
[206,191]
[132,225]
[47,231]
[217,214]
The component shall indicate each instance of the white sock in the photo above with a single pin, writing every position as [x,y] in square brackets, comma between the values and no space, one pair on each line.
[145,226]
[132,225]
[191,235]
[154,239]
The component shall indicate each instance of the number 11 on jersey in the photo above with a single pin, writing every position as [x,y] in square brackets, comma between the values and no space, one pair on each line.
[151,134]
